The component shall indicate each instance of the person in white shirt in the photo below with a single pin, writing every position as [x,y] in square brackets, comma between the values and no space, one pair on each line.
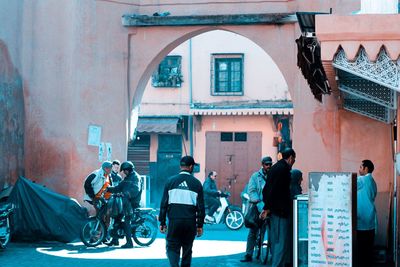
[366,214]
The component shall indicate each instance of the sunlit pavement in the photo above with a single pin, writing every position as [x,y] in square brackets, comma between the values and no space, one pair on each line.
[217,247]
[201,248]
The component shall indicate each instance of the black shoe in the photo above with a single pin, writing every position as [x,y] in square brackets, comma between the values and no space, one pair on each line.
[114,242]
[247,258]
[127,245]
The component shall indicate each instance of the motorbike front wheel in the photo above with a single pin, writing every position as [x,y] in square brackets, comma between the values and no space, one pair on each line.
[93,232]
[5,234]
[145,233]
[234,220]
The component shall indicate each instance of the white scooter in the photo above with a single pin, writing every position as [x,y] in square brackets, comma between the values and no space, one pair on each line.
[231,215]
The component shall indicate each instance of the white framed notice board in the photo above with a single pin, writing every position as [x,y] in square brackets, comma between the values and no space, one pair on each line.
[332,218]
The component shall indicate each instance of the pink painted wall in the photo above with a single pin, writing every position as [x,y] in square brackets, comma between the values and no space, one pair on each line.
[81,67]
[74,68]
[260,75]
[360,137]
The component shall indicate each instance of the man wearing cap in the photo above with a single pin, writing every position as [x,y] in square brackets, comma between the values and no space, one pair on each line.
[254,189]
[97,182]
[183,203]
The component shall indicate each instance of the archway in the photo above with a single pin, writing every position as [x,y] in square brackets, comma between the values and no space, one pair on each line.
[226,129]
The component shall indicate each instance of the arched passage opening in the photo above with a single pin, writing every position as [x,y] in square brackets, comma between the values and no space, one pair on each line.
[229,107]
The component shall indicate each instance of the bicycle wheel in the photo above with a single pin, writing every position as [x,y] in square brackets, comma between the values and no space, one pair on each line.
[145,233]
[93,232]
[258,246]
[265,248]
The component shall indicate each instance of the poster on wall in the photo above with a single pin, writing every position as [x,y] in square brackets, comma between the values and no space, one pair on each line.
[332,217]
[94,135]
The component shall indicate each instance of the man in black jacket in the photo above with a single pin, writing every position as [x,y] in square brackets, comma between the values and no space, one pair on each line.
[277,204]
[130,189]
[116,178]
[183,203]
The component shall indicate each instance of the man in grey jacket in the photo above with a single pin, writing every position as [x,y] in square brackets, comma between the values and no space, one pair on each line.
[255,188]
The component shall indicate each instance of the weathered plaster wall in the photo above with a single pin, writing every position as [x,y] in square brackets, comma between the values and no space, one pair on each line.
[74,65]
[361,137]
[77,63]
[206,7]
[11,96]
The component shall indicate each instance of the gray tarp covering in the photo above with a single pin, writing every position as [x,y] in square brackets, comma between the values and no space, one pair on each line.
[42,214]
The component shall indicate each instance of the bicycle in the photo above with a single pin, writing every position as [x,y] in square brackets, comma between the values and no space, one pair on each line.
[262,247]
[143,226]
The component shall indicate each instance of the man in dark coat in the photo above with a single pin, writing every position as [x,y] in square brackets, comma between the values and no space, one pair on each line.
[295,183]
[211,195]
[277,204]
[183,203]
[130,189]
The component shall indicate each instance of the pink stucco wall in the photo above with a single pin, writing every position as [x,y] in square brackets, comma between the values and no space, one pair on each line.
[81,67]
[74,70]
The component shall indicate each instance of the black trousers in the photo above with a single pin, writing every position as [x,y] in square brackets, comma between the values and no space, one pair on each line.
[180,235]
[365,248]
[213,205]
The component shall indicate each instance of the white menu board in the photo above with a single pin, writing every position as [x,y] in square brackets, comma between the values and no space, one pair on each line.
[330,217]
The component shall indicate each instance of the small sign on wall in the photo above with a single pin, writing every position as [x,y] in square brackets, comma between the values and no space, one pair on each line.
[102,151]
[109,151]
[94,135]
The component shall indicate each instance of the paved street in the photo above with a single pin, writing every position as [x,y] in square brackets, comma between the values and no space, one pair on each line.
[217,247]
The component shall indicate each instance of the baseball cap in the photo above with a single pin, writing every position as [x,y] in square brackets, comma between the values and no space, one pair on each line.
[266,160]
[187,161]
[106,164]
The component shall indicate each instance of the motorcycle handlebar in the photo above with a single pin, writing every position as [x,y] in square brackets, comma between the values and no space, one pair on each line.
[225,194]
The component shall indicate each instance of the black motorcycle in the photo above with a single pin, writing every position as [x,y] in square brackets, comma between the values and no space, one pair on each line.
[143,226]
[5,232]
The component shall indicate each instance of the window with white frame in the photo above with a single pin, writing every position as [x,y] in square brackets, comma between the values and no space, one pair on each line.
[168,73]
[227,74]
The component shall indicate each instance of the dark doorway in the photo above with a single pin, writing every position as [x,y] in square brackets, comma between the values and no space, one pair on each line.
[168,156]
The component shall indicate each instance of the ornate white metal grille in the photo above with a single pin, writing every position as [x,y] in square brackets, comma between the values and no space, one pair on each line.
[384,71]
[367,108]
[368,88]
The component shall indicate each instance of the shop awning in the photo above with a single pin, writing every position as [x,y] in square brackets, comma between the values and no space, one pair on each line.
[158,125]
[261,107]
[226,112]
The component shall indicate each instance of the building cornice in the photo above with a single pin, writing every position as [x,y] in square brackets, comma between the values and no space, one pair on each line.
[370,31]
[135,20]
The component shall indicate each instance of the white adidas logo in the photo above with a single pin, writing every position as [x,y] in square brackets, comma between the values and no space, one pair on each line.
[183,184]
